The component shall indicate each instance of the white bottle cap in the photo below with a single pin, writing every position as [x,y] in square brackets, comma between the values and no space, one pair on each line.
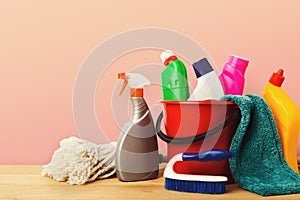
[165,55]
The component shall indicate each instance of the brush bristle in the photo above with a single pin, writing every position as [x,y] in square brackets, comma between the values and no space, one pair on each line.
[195,186]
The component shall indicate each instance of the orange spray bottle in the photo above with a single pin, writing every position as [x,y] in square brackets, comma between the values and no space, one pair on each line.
[287,117]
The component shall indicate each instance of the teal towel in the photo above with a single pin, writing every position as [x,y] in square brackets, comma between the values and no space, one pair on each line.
[258,164]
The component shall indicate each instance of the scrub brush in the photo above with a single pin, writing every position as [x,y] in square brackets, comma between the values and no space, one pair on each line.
[196,183]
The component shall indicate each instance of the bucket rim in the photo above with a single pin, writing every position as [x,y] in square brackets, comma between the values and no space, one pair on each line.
[205,102]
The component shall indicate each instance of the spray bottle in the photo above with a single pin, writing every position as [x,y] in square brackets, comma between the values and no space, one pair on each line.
[287,117]
[174,78]
[137,150]
[208,83]
[232,76]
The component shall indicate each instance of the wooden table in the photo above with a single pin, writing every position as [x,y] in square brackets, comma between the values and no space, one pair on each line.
[25,182]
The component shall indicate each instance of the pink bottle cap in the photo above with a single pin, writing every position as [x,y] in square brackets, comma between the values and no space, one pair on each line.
[240,63]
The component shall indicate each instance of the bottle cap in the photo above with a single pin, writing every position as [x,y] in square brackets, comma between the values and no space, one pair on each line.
[202,67]
[277,78]
[167,56]
[239,62]
[136,92]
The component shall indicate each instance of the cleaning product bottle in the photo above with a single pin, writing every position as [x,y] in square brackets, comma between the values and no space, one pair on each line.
[137,150]
[174,78]
[298,151]
[208,83]
[232,76]
[287,117]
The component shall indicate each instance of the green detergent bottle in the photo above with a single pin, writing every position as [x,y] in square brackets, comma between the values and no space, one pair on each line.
[174,78]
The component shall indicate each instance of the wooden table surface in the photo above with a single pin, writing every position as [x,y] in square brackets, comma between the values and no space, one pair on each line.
[25,182]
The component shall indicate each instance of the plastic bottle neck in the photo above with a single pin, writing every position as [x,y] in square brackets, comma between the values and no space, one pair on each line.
[239,63]
[136,92]
[139,108]
[170,59]
[241,68]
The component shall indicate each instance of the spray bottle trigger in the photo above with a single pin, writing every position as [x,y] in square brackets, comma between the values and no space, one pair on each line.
[123,87]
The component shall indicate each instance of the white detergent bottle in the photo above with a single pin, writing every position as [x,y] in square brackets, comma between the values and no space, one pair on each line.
[208,84]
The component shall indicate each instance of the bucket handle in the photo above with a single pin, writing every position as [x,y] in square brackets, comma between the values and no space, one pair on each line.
[191,139]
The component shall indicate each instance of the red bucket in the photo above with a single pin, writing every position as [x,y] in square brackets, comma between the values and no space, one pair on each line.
[196,126]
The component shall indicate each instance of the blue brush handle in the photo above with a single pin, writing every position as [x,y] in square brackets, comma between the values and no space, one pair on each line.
[212,155]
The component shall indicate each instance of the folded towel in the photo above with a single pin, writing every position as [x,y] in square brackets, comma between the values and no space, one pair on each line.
[78,161]
[258,164]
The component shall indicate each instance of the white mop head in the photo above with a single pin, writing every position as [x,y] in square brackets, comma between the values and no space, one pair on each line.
[78,161]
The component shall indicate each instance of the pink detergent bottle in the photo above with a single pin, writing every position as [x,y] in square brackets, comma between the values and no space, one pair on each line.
[232,76]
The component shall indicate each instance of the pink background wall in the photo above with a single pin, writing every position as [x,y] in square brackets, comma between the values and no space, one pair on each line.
[43,44]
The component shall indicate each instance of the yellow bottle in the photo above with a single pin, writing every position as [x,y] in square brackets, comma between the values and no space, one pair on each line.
[287,117]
